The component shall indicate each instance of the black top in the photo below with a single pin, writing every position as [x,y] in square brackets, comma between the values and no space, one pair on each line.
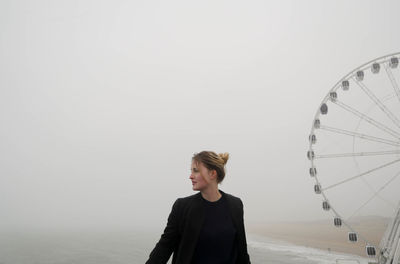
[216,242]
[183,228]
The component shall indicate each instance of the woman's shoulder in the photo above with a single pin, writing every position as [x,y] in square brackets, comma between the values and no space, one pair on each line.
[231,197]
[184,204]
[193,196]
[189,199]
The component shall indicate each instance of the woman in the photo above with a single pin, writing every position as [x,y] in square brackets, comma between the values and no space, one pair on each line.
[207,227]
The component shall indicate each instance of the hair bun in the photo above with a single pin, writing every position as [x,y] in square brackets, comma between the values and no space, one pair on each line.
[224,156]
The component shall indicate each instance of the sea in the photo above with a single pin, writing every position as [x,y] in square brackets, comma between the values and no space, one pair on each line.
[123,247]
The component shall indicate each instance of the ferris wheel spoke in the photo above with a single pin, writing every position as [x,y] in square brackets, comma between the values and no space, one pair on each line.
[375,195]
[389,203]
[392,80]
[378,103]
[367,118]
[357,154]
[360,175]
[360,135]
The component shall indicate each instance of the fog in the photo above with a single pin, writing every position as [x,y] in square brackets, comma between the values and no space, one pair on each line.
[103,103]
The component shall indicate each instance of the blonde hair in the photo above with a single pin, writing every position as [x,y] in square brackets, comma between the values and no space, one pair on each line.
[213,161]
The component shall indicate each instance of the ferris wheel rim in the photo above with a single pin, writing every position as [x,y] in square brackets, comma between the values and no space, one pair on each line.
[345,77]
[350,75]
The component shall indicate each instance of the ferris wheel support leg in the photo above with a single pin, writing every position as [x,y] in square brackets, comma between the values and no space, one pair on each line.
[391,241]
[396,257]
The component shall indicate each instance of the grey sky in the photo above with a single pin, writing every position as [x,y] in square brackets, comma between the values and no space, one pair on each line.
[103,103]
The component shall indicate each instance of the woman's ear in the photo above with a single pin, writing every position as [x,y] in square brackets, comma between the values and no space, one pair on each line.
[213,174]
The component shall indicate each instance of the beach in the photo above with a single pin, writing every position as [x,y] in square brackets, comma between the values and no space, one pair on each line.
[323,234]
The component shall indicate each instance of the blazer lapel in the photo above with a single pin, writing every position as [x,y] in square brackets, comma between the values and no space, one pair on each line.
[193,227]
[233,210]
[237,219]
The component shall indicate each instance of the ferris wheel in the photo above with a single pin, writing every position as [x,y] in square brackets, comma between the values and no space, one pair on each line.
[354,153]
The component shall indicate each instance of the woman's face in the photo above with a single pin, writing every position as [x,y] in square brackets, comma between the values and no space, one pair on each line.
[200,176]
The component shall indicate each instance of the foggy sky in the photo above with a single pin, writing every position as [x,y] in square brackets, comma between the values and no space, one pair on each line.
[103,103]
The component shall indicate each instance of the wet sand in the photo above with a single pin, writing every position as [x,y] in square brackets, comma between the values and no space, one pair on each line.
[323,234]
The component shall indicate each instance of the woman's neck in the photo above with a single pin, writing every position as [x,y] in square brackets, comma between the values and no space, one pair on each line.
[211,195]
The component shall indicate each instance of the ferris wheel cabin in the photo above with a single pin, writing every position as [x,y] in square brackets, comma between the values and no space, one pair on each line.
[360,76]
[326,206]
[324,109]
[375,68]
[313,171]
[313,139]
[337,222]
[317,190]
[394,62]
[333,96]
[317,123]
[345,85]
[371,252]
[353,237]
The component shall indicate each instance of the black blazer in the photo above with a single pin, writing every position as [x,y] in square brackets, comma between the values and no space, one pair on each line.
[183,228]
